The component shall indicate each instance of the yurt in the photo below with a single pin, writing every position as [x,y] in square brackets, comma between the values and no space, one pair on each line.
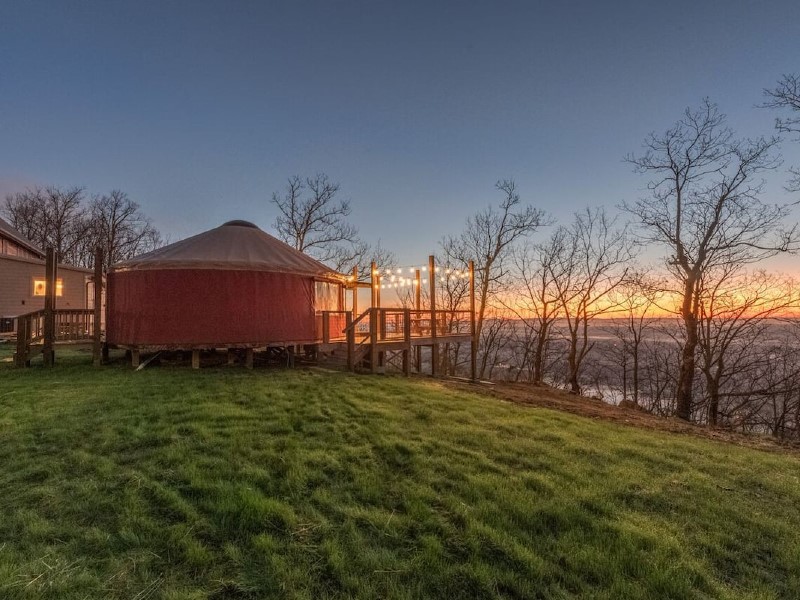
[233,286]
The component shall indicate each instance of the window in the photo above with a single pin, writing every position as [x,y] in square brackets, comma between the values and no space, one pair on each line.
[39,286]
[327,295]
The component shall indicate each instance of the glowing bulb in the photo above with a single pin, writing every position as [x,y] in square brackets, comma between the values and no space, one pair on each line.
[424,268]
[399,271]
[436,269]
[447,270]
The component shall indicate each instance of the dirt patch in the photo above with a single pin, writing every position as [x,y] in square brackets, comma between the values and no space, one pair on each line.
[547,397]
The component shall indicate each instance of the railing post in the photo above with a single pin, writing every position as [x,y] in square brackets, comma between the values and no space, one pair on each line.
[23,339]
[407,340]
[373,339]
[351,342]
[355,292]
[326,327]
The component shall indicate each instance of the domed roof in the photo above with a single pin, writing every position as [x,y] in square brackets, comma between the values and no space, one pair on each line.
[237,246]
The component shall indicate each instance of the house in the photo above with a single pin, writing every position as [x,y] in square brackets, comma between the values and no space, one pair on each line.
[22,280]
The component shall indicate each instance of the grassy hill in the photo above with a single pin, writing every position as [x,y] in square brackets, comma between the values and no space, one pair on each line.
[225,483]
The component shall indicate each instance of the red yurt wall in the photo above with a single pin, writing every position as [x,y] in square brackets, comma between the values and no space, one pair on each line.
[209,307]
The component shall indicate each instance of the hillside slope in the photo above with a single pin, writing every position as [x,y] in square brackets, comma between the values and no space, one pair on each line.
[224,483]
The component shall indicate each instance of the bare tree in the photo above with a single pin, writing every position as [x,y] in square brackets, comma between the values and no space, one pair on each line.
[786,96]
[636,299]
[51,217]
[704,207]
[589,265]
[488,239]
[118,225]
[735,313]
[314,221]
[537,303]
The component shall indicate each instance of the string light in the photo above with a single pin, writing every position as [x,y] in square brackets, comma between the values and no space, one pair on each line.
[395,279]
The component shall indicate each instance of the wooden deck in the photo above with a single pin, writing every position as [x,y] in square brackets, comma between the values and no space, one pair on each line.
[378,331]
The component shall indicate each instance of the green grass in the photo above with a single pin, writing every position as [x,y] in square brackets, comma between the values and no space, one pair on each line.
[225,483]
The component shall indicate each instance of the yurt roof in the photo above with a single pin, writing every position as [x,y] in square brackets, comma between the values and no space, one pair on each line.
[235,245]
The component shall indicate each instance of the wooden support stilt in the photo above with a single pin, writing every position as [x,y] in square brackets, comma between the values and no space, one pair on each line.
[195,359]
[248,358]
[231,356]
[97,346]
[135,358]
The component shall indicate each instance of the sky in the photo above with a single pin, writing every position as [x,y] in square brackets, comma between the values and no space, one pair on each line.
[201,110]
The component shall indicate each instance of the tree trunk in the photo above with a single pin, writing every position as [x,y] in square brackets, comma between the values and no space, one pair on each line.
[572,361]
[636,373]
[713,402]
[687,369]
[686,375]
[538,356]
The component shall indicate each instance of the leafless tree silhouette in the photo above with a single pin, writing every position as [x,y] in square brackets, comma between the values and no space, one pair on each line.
[704,207]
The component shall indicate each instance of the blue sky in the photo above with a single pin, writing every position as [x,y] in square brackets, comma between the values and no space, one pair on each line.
[200,110]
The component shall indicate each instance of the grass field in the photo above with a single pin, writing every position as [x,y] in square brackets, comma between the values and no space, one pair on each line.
[227,483]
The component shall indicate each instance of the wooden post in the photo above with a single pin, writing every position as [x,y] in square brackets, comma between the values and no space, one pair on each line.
[351,341]
[434,345]
[326,327]
[473,358]
[50,274]
[135,358]
[248,358]
[373,276]
[407,339]
[23,339]
[231,356]
[195,359]
[97,348]
[355,292]
[378,281]
[418,307]
[373,339]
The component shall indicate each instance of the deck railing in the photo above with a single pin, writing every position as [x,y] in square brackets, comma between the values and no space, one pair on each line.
[69,325]
[401,327]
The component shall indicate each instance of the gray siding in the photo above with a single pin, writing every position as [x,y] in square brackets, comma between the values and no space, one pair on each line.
[16,286]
